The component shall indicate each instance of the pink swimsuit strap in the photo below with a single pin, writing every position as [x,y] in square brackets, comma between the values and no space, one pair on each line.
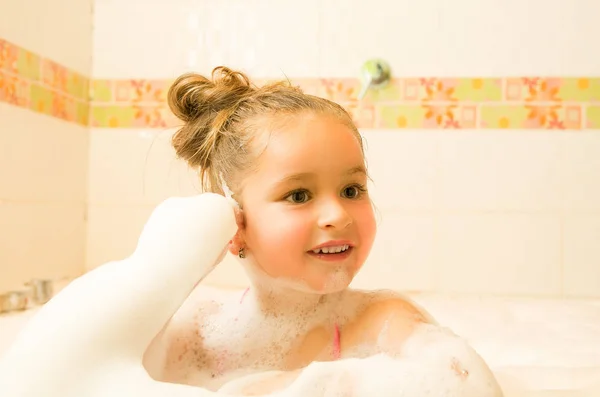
[337,348]
[244,295]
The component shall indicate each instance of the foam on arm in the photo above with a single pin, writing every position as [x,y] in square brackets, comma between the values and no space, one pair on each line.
[90,338]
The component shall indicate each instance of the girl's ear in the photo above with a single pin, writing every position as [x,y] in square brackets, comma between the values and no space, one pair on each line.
[238,241]
[239,218]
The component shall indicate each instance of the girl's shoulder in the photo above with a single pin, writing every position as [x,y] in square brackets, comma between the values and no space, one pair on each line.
[382,320]
[385,304]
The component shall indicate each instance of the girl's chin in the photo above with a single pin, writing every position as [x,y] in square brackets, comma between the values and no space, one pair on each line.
[326,278]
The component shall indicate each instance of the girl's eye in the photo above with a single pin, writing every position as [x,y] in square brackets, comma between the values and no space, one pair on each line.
[298,197]
[353,191]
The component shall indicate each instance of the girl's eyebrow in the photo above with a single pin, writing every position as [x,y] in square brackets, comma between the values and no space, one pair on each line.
[303,176]
[298,177]
[359,169]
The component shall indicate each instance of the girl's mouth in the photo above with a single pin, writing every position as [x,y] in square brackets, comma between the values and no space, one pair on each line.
[332,253]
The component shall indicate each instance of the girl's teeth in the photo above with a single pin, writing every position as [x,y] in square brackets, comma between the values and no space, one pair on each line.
[331,250]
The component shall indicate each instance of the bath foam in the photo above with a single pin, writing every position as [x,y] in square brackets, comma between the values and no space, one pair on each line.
[238,338]
[252,341]
[247,320]
[89,340]
[338,279]
[429,364]
[228,193]
[258,339]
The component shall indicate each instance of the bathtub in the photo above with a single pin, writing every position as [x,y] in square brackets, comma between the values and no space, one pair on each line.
[536,347]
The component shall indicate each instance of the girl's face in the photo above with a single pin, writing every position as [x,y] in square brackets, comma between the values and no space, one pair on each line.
[308,218]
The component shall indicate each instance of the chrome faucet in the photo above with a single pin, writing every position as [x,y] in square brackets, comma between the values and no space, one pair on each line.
[42,290]
[37,292]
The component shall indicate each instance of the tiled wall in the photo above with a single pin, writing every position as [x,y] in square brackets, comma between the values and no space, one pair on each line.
[408,103]
[509,203]
[484,149]
[33,82]
[45,60]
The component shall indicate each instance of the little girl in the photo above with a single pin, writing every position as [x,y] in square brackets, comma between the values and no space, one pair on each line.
[295,165]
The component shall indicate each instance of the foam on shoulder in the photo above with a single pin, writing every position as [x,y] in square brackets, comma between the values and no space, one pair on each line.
[434,362]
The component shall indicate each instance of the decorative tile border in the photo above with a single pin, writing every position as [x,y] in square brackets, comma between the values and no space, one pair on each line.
[31,81]
[416,103]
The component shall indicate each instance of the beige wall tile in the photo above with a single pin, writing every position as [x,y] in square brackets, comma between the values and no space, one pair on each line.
[451,42]
[113,232]
[199,36]
[582,256]
[136,167]
[121,43]
[403,168]
[42,158]
[40,240]
[500,253]
[402,257]
[63,29]
[581,171]
[384,24]
[501,170]
[504,40]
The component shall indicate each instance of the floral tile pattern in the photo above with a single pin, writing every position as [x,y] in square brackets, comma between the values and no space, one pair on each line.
[537,89]
[533,116]
[593,117]
[14,89]
[414,103]
[428,116]
[114,116]
[30,81]
[529,102]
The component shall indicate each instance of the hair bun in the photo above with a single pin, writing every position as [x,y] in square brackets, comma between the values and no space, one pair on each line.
[184,95]
[192,94]
[208,107]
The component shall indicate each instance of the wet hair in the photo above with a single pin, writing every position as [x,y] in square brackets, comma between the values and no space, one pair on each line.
[225,114]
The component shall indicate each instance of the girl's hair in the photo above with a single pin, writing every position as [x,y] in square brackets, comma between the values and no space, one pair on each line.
[224,114]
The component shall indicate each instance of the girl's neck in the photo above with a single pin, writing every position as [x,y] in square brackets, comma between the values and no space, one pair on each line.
[280,297]
[275,300]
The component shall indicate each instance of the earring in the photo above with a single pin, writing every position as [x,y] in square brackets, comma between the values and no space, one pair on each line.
[241,253]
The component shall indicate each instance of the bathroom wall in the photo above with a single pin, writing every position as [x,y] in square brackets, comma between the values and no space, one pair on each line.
[483,151]
[45,62]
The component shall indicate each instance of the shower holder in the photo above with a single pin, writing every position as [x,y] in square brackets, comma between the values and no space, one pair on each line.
[376,74]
